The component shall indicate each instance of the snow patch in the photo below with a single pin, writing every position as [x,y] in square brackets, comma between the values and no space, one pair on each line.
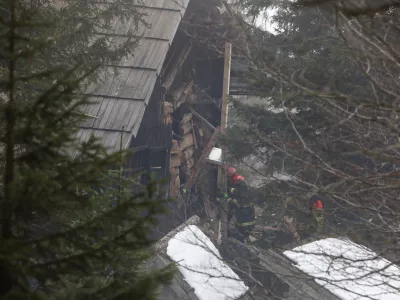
[283,177]
[348,270]
[201,264]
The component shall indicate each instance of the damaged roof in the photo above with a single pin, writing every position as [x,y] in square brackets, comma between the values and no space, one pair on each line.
[121,98]
[179,288]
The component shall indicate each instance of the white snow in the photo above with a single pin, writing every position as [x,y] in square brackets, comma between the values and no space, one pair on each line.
[216,154]
[202,267]
[283,177]
[348,270]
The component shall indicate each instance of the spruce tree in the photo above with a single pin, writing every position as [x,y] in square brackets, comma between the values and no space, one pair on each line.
[70,226]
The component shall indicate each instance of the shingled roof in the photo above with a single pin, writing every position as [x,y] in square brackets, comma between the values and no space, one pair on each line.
[120,100]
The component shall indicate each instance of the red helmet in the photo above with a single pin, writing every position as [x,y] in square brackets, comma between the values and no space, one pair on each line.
[230,171]
[236,178]
[317,204]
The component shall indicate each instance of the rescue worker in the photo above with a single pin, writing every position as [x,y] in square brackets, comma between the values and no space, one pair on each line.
[233,177]
[317,212]
[240,211]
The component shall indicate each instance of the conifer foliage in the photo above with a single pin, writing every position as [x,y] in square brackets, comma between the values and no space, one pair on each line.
[69,229]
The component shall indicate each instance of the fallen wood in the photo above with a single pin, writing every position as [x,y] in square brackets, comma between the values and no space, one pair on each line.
[189,152]
[168,108]
[177,182]
[177,94]
[189,172]
[202,119]
[194,135]
[187,141]
[178,63]
[185,128]
[186,118]
[175,146]
[265,228]
[190,163]
[174,161]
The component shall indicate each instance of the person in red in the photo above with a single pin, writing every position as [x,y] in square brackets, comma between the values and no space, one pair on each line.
[317,213]
[233,177]
[317,204]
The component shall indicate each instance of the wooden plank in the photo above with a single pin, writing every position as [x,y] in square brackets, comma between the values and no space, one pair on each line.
[225,88]
[157,54]
[194,136]
[137,117]
[107,112]
[101,111]
[149,54]
[114,141]
[180,60]
[115,120]
[103,86]
[136,114]
[203,120]
[149,87]
[119,81]
[168,4]
[91,109]
[135,84]
[126,113]
[142,88]
[221,179]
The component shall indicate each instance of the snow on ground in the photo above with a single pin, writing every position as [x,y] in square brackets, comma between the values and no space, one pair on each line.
[348,270]
[283,177]
[200,263]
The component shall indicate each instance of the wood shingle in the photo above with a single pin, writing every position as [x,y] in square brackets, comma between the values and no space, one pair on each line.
[120,99]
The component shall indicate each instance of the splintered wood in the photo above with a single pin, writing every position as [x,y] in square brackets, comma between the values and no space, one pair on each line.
[168,109]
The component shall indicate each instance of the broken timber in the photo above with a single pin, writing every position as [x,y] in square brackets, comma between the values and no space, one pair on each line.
[223,226]
[201,160]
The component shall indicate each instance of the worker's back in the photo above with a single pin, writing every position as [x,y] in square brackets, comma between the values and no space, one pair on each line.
[245,213]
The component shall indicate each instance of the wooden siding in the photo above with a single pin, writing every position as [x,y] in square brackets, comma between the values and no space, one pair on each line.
[121,99]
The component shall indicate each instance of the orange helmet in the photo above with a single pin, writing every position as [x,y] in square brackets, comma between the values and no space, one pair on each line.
[317,204]
[236,178]
[230,171]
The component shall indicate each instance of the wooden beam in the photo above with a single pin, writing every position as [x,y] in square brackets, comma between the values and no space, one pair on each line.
[225,87]
[203,120]
[179,61]
[221,179]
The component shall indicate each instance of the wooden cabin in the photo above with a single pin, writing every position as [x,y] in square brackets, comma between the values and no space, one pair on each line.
[144,103]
